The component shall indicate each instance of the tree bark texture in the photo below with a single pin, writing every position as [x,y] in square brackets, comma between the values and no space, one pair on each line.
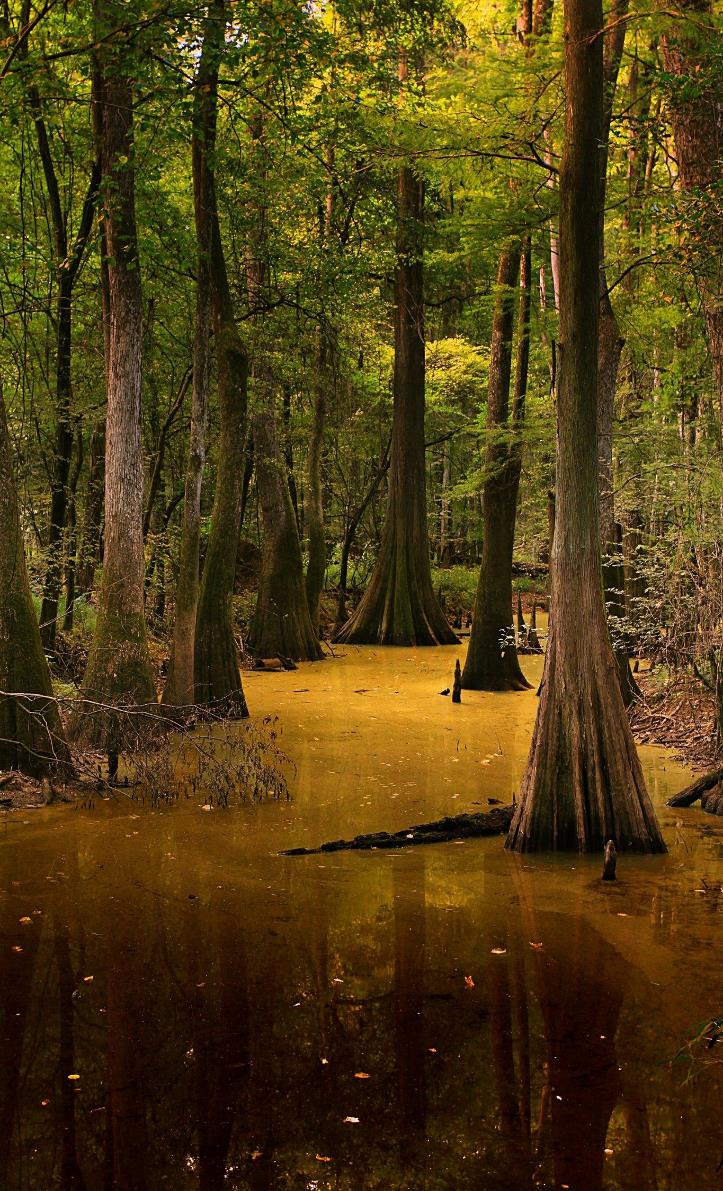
[583,784]
[281,625]
[31,735]
[119,668]
[216,661]
[180,685]
[492,663]
[399,607]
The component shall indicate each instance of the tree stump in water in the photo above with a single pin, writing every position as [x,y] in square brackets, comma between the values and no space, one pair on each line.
[457,686]
[610,862]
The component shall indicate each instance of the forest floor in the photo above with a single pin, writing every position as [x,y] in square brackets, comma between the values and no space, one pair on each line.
[678,713]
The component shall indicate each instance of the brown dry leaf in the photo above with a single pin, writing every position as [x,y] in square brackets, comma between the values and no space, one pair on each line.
[498,951]
[361,1075]
[350,1121]
[16,949]
[468,982]
[537,946]
[25,921]
[44,1103]
[256,1154]
[322,1158]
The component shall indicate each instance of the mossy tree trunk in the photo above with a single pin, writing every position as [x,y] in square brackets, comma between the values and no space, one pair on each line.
[399,607]
[281,625]
[180,685]
[119,667]
[31,735]
[492,663]
[216,661]
[583,784]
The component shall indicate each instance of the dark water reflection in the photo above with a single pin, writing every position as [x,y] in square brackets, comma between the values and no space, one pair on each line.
[437,1019]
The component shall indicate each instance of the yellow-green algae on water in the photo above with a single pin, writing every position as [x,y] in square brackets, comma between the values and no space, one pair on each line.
[447,1017]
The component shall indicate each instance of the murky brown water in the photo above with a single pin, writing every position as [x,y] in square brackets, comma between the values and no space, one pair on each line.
[449,1017]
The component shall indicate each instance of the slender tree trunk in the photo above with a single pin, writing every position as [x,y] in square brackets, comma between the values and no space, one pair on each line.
[281,625]
[31,735]
[89,544]
[119,667]
[68,258]
[216,661]
[583,784]
[72,542]
[314,510]
[492,663]
[180,685]
[314,505]
[399,606]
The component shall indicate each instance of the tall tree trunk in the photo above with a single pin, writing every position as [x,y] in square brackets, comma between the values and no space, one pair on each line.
[72,541]
[68,258]
[31,735]
[314,505]
[216,661]
[492,663]
[610,346]
[583,784]
[119,667]
[180,685]
[281,624]
[399,607]
[314,510]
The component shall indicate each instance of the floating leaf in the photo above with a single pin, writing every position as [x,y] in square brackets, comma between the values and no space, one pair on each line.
[26,921]
[74,1076]
[361,1075]
[322,1158]
[498,951]
[468,982]
[351,1121]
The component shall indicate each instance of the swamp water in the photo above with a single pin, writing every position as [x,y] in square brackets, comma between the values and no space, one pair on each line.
[181,1007]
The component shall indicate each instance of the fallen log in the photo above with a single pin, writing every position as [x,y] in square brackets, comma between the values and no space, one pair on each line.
[698,788]
[441,831]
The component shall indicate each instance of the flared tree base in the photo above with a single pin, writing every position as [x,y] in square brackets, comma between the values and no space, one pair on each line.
[583,785]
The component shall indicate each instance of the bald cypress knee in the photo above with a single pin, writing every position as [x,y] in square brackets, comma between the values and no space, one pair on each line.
[399,607]
[492,663]
[583,784]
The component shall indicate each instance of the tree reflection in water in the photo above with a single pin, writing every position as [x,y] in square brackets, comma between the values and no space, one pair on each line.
[231,1037]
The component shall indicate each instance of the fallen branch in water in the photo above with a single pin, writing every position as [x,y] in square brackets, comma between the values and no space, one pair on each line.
[451,827]
[711,800]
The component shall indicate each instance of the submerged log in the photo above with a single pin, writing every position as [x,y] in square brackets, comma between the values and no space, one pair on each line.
[451,827]
[698,789]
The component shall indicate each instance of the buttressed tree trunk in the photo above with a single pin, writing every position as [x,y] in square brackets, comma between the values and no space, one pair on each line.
[583,784]
[492,663]
[216,661]
[281,625]
[31,735]
[119,667]
[399,607]
[180,686]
